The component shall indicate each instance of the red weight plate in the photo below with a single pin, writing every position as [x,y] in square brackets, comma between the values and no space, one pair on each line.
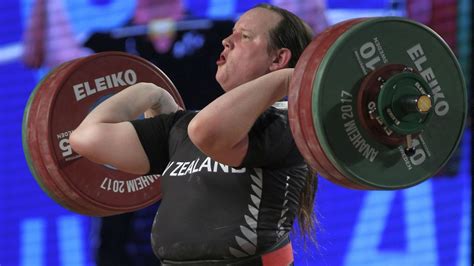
[305,111]
[305,103]
[294,108]
[65,195]
[32,152]
[293,105]
[79,203]
[69,99]
[308,129]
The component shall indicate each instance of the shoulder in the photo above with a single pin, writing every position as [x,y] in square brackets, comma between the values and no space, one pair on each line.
[271,128]
[183,118]
[161,124]
[271,143]
[179,118]
[272,119]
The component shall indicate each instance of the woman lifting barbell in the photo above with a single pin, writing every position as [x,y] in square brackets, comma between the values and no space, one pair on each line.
[233,180]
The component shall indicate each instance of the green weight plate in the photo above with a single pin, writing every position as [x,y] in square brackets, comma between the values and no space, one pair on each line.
[369,45]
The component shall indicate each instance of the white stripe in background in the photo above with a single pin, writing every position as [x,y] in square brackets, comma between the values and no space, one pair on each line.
[32,242]
[71,246]
[10,52]
[373,219]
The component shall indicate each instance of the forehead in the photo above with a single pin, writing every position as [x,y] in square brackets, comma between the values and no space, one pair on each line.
[258,20]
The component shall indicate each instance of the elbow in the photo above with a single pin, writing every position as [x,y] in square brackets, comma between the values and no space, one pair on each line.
[202,135]
[208,137]
[215,144]
[82,142]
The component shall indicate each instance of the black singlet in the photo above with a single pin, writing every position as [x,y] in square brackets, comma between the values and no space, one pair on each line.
[214,211]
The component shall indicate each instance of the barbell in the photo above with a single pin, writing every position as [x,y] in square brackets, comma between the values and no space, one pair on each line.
[374,104]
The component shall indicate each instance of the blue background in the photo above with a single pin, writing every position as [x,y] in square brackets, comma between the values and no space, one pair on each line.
[429,224]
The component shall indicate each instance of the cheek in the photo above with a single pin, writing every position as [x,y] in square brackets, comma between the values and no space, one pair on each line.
[261,58]
[258,65]
[244,66]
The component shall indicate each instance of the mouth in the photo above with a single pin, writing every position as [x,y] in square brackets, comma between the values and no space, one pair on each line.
[221,60]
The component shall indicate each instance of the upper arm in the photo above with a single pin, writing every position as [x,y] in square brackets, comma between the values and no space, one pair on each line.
[268,142]
[116,144]
[215,145]
[233,156]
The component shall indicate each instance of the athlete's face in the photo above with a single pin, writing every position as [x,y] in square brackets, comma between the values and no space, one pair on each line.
[245,56]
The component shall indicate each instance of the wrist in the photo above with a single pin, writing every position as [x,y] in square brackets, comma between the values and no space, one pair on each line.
[160,101]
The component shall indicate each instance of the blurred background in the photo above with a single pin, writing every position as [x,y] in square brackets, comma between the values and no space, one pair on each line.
[429,224]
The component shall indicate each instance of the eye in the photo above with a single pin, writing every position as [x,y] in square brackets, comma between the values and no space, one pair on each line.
[245,36]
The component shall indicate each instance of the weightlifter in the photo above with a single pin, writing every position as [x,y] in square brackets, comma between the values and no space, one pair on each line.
[233,180]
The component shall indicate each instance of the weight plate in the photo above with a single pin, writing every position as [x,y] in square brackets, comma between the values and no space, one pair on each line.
[31,150]
[304,77]
[71,96]
[294,106]
[364,47]
[297,110]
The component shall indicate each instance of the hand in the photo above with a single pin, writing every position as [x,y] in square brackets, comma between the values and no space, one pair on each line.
[164,105]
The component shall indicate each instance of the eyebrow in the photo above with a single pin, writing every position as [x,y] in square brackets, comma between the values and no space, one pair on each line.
[243,30]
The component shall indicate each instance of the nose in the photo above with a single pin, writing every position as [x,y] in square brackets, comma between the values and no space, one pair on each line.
[228,42]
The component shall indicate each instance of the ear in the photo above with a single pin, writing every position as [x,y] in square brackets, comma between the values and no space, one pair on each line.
[281,58]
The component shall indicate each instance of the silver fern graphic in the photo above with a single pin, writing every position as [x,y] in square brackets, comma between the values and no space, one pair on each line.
[282,230]
[247,242]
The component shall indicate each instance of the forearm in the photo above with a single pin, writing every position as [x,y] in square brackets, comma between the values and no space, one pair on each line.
[227,120]
[129,103]
[105,137]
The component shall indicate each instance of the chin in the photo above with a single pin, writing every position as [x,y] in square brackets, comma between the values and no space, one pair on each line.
[225,87]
